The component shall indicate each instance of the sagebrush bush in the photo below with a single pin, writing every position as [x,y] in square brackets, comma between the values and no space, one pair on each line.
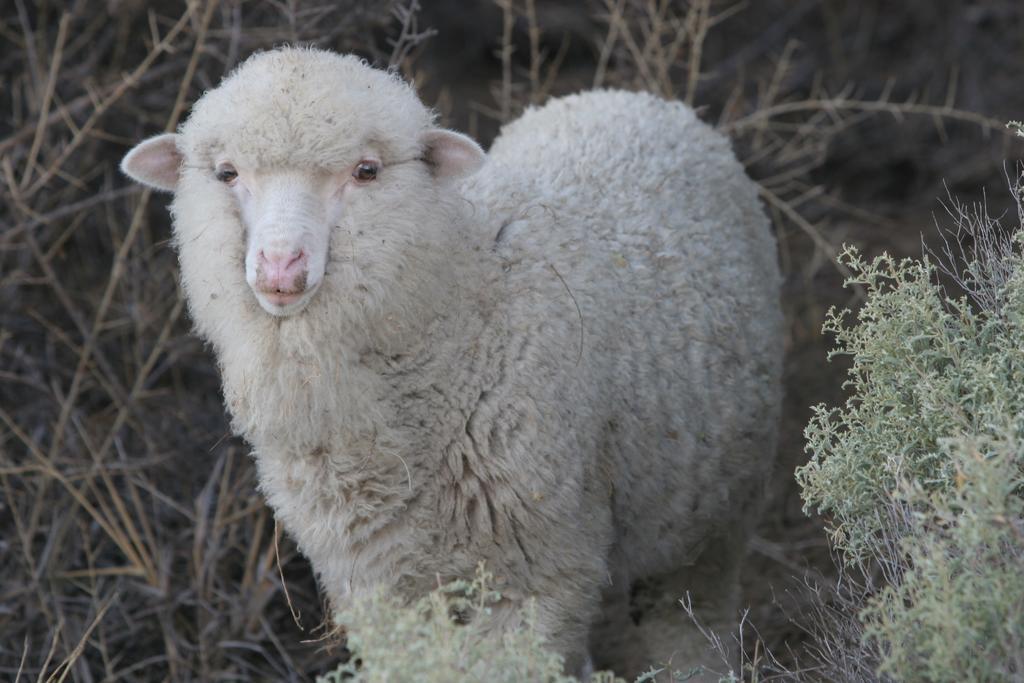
[958,612]
[919,474]
[434,640]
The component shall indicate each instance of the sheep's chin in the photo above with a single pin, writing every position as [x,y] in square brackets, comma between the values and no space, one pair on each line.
[284,310]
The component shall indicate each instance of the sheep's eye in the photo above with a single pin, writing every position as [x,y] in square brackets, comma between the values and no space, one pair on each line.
[226,173]
[365,171]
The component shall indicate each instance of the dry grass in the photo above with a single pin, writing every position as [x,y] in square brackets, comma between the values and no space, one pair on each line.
[134,545]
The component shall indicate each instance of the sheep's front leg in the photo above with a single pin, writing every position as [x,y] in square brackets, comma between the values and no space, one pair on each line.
[559,598]
[560,623]
[568,631]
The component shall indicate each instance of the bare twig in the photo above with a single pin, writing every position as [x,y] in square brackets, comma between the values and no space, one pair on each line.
[409,35]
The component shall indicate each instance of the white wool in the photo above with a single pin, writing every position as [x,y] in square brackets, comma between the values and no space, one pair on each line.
[567,365]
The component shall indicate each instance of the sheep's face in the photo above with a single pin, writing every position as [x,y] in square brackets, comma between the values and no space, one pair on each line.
[298,154]
[287,217]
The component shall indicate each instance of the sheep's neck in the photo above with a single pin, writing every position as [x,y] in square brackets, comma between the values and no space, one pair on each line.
[368,436]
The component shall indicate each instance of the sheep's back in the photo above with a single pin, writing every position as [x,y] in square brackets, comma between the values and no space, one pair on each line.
[626,214]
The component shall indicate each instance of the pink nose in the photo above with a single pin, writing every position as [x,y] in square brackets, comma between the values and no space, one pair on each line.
[281,272]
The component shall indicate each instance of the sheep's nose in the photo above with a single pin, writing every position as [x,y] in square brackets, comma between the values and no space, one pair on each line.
[282,271]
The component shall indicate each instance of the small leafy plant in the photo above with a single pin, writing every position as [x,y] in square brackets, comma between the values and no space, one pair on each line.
[436,640]
[920,474]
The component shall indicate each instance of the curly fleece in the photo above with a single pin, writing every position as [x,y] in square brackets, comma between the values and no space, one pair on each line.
[566,365]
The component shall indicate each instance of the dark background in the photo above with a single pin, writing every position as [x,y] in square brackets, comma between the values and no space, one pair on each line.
[133,543]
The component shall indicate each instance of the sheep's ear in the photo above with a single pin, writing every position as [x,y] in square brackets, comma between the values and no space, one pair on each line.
[155,162]
[451,154]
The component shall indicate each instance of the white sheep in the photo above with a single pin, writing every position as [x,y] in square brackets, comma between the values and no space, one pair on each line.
[562,358]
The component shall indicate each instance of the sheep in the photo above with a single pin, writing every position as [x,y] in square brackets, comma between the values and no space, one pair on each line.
[561,358]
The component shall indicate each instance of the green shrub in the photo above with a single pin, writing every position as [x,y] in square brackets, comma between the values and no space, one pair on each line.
[921,473]
[958,613]
[427,642]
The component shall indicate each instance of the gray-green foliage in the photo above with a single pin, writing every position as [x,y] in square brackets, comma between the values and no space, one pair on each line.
[958,612]
[920,472]
[427,642]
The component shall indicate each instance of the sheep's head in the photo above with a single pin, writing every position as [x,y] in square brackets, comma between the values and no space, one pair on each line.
[294,148]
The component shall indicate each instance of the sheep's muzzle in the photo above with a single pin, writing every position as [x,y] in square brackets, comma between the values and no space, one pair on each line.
[281,276]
